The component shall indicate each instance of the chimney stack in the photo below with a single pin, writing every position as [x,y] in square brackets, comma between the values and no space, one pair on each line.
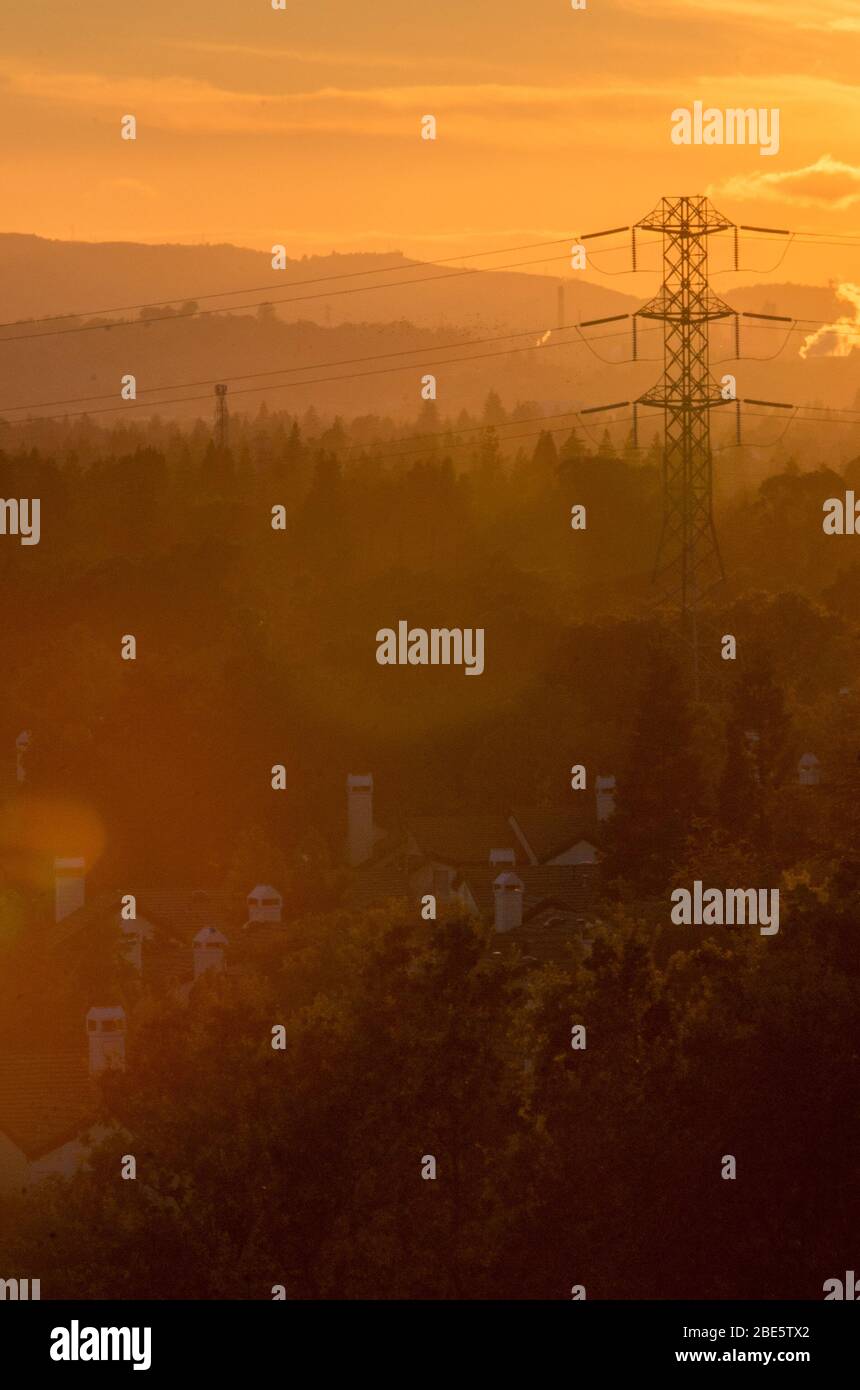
[209,946]
[508,899]
[69,887]
[809,771]
[605,797]
[264,904]
[106,1034]
[359,793]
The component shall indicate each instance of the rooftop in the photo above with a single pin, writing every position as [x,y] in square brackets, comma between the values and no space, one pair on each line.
[46,1099]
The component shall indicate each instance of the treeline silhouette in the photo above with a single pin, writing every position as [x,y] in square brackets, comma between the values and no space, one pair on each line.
[257,646]
[555,1167]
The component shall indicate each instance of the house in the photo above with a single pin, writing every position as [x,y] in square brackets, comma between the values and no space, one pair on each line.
[49,1101]
[538,908]
[458,859]
[531,874]
[49,1093]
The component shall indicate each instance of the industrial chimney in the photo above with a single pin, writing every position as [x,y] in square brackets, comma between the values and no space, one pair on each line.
[359,794]
[69,887]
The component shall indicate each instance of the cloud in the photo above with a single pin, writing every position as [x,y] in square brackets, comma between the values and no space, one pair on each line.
[622,114]
[837,339]
[487,113]
[195,106]
[330,57]
[828,183]
[820,16]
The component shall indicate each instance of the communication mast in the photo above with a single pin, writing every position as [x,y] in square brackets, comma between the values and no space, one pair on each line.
[221,417]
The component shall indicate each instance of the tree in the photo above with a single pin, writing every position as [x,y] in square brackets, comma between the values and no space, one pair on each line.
[758,747]
[606,451]
[300,1166]
[659,791]
[494,412]
[544,465]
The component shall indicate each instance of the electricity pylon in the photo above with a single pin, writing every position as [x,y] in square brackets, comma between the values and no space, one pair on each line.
[688,557]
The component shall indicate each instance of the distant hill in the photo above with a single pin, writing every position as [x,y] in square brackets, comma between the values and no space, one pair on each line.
[326,336]
[40,277]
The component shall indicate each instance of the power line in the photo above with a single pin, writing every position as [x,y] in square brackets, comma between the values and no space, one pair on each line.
[164,301]
[318,280]
[343,362]
[529,434]
[823,238]
[813,238]
[323,279]
[294,299]
[279,386]
[795,326]
[404,352]
[555,429]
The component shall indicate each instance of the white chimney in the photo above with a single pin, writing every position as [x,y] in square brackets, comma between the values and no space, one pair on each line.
[69,887]
[605,797]
[22,743]
[359,793]
[106,1034]
[508,897]
[264,904]
[209,946]
[502,856]
[809,771]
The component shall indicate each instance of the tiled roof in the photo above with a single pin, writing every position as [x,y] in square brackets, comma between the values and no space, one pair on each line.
[463,839]
[173,912]
[184,912]
[375,883]
[82,922]
[551,832]
[170,920]
[46,1099]
[569,887]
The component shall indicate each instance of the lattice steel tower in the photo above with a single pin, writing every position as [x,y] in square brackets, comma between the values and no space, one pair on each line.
[688,557]
[221,416]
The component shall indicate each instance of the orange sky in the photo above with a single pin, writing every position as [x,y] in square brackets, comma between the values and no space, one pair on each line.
[302,126]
